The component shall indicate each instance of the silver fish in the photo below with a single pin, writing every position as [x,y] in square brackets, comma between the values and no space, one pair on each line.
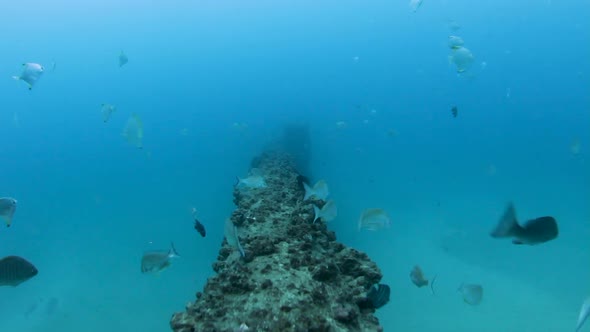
[15,270]
[251,182]
[7,209]
[319,190]
[534,231]
[472,293]
[584,313]
[30,74]
[374,219]
[327,213]
[107,110]
[157,261]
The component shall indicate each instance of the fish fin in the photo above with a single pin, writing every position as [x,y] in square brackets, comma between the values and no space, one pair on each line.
[317,213]
[8,220]
[584,314]
[432,285]
[16,78]
[508,225]
[172,252]
[460,287]
[308,191]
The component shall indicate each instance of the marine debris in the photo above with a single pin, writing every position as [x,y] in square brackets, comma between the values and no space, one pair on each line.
[290,273]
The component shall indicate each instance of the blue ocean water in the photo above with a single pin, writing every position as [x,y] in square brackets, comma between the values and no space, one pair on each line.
[89,204]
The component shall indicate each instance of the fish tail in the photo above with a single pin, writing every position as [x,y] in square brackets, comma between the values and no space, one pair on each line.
[508,225]
[242,253]
[173,252]
[238,180]
[317,213]
[16,78]
[432,285]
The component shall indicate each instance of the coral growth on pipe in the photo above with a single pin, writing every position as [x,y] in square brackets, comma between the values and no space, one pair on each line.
[293,276]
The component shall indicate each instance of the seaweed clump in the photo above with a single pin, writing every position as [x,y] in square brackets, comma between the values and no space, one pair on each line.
[293,276]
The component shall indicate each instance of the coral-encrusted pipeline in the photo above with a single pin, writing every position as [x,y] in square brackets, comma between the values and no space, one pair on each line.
[294,275]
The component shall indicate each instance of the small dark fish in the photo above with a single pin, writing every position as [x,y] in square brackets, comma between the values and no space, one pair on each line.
[15,270]
[417,277]
[378,295]
[534,231]
[455,111]
[200,228]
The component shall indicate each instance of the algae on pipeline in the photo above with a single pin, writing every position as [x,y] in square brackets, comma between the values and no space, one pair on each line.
[293,275]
